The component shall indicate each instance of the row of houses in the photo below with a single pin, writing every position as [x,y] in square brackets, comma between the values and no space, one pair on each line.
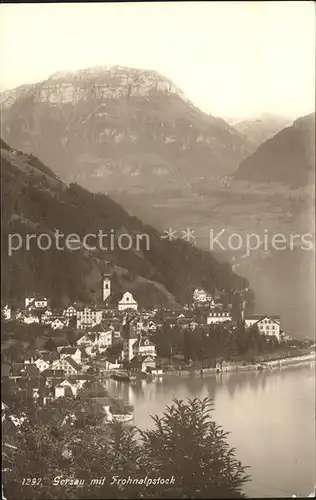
[269,325]
[202,297]
[37,310]
[42,380]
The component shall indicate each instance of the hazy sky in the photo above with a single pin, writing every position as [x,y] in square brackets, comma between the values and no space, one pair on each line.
[232,59]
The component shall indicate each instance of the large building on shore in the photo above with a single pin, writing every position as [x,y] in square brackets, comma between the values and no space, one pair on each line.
[215,317]
[267,325]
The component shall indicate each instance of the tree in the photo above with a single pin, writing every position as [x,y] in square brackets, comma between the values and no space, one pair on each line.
[187,444]
[232,345]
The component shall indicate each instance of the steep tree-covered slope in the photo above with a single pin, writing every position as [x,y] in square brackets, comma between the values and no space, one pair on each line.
[35,201]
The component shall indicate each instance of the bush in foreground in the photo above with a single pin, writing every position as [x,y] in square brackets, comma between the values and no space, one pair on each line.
[185,447]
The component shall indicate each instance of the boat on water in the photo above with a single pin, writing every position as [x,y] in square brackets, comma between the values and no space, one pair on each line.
[120,417]
[115,409]
[122,377]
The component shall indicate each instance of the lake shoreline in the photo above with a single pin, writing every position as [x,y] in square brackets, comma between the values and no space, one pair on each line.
[259,366]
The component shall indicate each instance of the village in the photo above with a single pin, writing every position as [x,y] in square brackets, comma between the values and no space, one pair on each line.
[117,342]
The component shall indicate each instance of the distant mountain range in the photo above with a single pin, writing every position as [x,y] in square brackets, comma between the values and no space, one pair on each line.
[258,130]
[35,200]
[115,126]
[133,135]
[287,158]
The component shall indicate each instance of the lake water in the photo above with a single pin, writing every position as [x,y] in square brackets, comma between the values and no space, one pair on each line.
[270,415]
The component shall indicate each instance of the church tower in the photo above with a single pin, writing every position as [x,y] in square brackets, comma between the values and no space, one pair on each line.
[106,286]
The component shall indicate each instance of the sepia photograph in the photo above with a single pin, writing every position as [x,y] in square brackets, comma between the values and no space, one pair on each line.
[158,250]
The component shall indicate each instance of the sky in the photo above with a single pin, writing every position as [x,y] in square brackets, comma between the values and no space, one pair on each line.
[232,59]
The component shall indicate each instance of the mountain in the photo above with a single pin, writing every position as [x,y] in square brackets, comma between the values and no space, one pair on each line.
[112,126]
[287,158]
[36,202]
[258,130]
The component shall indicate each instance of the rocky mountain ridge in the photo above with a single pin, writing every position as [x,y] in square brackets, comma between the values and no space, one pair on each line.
[114,126]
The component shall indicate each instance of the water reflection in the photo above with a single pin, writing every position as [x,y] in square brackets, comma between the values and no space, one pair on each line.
[270,414]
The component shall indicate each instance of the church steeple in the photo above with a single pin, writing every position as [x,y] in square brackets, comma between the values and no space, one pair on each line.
[106,286]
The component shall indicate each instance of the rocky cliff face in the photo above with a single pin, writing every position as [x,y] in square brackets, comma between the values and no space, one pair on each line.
[115,127]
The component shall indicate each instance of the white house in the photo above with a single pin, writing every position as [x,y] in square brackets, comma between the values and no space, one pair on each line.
[112,364]
[41,303]
[143,324]
[58,324]
[88,317]
[152,326]
[143,363]
[35,302]
[141,346]
[66,388]
[42,364]
[218,317]
[6,312]
[104,334]
[144,347]
[47,316]
[68,365]
[201,296]
[70,312]
[28,301]
[104,339]
[267,325]
[127,302]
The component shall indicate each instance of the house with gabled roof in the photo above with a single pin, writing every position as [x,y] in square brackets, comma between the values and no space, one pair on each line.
[42,364]
[68,365]
[142,363]
[73,352]
[6,312]
[144,346]
[66,388]
[268,325]
[58,324]
[70,312]
[35,302]
[46,316]
[200,296]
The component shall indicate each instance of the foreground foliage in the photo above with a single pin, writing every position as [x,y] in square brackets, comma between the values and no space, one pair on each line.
[65,441]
